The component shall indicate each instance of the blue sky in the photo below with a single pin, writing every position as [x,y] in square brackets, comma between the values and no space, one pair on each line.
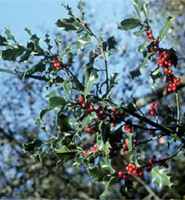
[40,15]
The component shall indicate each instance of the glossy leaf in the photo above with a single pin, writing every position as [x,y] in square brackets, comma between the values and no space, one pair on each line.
[3,41]
[63,122]
[67,24]
[88,119]
[62,150]
[138,6]
[160,177]
[30,146]
[40,67]
[90,83]
[9,35]
[12,54]
[130,140]
[25,56]
[56,101]
[129,23]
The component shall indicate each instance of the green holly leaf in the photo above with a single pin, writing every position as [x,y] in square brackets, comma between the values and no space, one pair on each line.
[99,172]
[106,148]
[156,74]
[40,67]
[83,40]
[138,6]
[53,102]
[43,112]
[89,83]
[12,54]
[9,35]
[111,43]
[67,87]
[63,122]
[113,79]
[160,177]
[68,24]
[129,23]
[88,119]
[56,101]
[25,56]
[65,153]
[3,41]
[62,150]
[130,141]
[31,146]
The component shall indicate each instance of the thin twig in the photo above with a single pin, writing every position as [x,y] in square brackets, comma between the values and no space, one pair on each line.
[178,111]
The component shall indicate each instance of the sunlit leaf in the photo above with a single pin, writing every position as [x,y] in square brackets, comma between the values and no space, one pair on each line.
[164,31]
[90,83]
[160,177]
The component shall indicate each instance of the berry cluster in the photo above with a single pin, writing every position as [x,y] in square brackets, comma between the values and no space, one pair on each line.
[122,175]
[81,101]
[173,84]
[133,170]
[149,35]
[114,116]
[153,108]
[166,58]
[128,128]
[130,169]
[101,112]
[56,63]
[94,149]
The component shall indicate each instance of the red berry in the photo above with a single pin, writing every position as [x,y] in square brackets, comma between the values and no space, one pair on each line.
[89,129]
[167,58]
[94,148]
[127,128]
[81,101]
[133,170]
[89,107]
[85,153]
[125,145]
[149,35]
[173,84]
[120,174]
[56,63]
[100,113]
[149,165]
[153,109]
[167,71]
